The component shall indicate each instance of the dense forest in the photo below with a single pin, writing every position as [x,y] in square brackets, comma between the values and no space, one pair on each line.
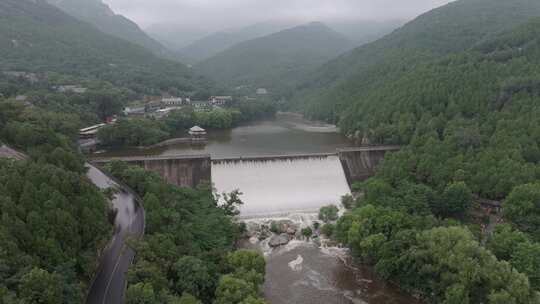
[53,222]
[38,37]
[276,61]
[103,18]
[458,26]
[186,254]
[468,124]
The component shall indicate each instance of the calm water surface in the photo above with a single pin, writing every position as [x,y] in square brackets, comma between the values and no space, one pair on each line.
[287,134]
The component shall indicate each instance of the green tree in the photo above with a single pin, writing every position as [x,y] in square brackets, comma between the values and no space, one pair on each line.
[307,232]
[328,230]
[328,213]
[40,286]
[188,299]
[526,259]
[141,293]
[193,277]
[504,241]
[522,208]
[347,201]
[231,290]
[456,200]
[248,260]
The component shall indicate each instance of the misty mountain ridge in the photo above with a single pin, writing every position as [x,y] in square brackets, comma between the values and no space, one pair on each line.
[38,37]
[278,60]
[103,18]
[452,28]
[190,49]
[215,43]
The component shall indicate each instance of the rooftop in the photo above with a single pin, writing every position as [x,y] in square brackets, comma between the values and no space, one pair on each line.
[197,129]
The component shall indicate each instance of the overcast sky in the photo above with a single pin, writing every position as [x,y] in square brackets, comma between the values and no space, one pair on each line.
[219,14]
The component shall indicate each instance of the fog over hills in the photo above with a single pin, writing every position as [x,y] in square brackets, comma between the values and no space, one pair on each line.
[103,18]
[276,60]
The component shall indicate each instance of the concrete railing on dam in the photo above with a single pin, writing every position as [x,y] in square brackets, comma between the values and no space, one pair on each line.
[358,163]
[183,171]
[290,157]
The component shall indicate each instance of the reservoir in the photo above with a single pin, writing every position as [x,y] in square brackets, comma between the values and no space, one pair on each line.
[300,272]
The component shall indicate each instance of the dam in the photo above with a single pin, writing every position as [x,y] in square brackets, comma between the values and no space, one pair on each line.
[305,183]
[286,169]
[271,185]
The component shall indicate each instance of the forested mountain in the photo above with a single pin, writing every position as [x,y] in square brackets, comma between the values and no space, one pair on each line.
[174,36]
[469,124]
[53,221]
[278,60]
[365,31]
[215,43]
[102,17]
[452,28]
[38,37]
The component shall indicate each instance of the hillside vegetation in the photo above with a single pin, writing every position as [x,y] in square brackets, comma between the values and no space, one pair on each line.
[455,27]
[53,221]
[215,43]
[37,37]
[469,126]
[278,60]
[103,18]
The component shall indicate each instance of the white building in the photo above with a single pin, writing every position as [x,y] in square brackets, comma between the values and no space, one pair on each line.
[71,88]
[220,100]
[262,91]
[172,101]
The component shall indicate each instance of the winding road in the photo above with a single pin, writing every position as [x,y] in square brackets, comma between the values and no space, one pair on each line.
[109,284]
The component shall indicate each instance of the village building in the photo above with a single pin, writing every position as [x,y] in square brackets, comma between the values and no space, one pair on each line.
[200,106]
[152,106]
[262,91]
[220,100]
[134,111]
[162,113]
[77,89]
[90,132]
[21,98]
[31,77]
[172,101]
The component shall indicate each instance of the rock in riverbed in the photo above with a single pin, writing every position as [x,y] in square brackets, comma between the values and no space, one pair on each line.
[279,240]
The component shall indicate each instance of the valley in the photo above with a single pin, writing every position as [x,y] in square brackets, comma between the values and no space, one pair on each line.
[337,153]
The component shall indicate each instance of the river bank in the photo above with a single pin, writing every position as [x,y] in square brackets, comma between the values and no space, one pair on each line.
[315,271]
[292,190]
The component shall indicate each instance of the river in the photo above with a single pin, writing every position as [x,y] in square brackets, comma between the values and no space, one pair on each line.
[293,189]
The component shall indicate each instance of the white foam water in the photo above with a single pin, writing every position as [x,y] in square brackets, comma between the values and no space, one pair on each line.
[278,188]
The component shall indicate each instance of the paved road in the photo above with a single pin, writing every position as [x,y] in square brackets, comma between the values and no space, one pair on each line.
[109,284]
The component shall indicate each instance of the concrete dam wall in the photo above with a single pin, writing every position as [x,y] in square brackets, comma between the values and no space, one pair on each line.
[361,163]
[183,171]
[189,171]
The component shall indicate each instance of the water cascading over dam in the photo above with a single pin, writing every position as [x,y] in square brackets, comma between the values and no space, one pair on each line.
[277,186]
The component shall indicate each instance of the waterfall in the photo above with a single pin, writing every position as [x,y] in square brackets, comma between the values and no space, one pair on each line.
[277,187]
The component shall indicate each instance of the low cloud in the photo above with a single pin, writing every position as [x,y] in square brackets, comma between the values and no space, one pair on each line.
[220,14]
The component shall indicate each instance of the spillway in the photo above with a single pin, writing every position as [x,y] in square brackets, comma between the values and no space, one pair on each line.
[280,186]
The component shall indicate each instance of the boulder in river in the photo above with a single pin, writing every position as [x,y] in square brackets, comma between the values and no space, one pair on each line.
[279,240]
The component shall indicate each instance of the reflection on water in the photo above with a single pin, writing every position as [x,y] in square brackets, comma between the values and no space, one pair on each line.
[285,135]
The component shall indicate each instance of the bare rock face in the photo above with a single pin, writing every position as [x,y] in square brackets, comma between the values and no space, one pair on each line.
[279,240]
